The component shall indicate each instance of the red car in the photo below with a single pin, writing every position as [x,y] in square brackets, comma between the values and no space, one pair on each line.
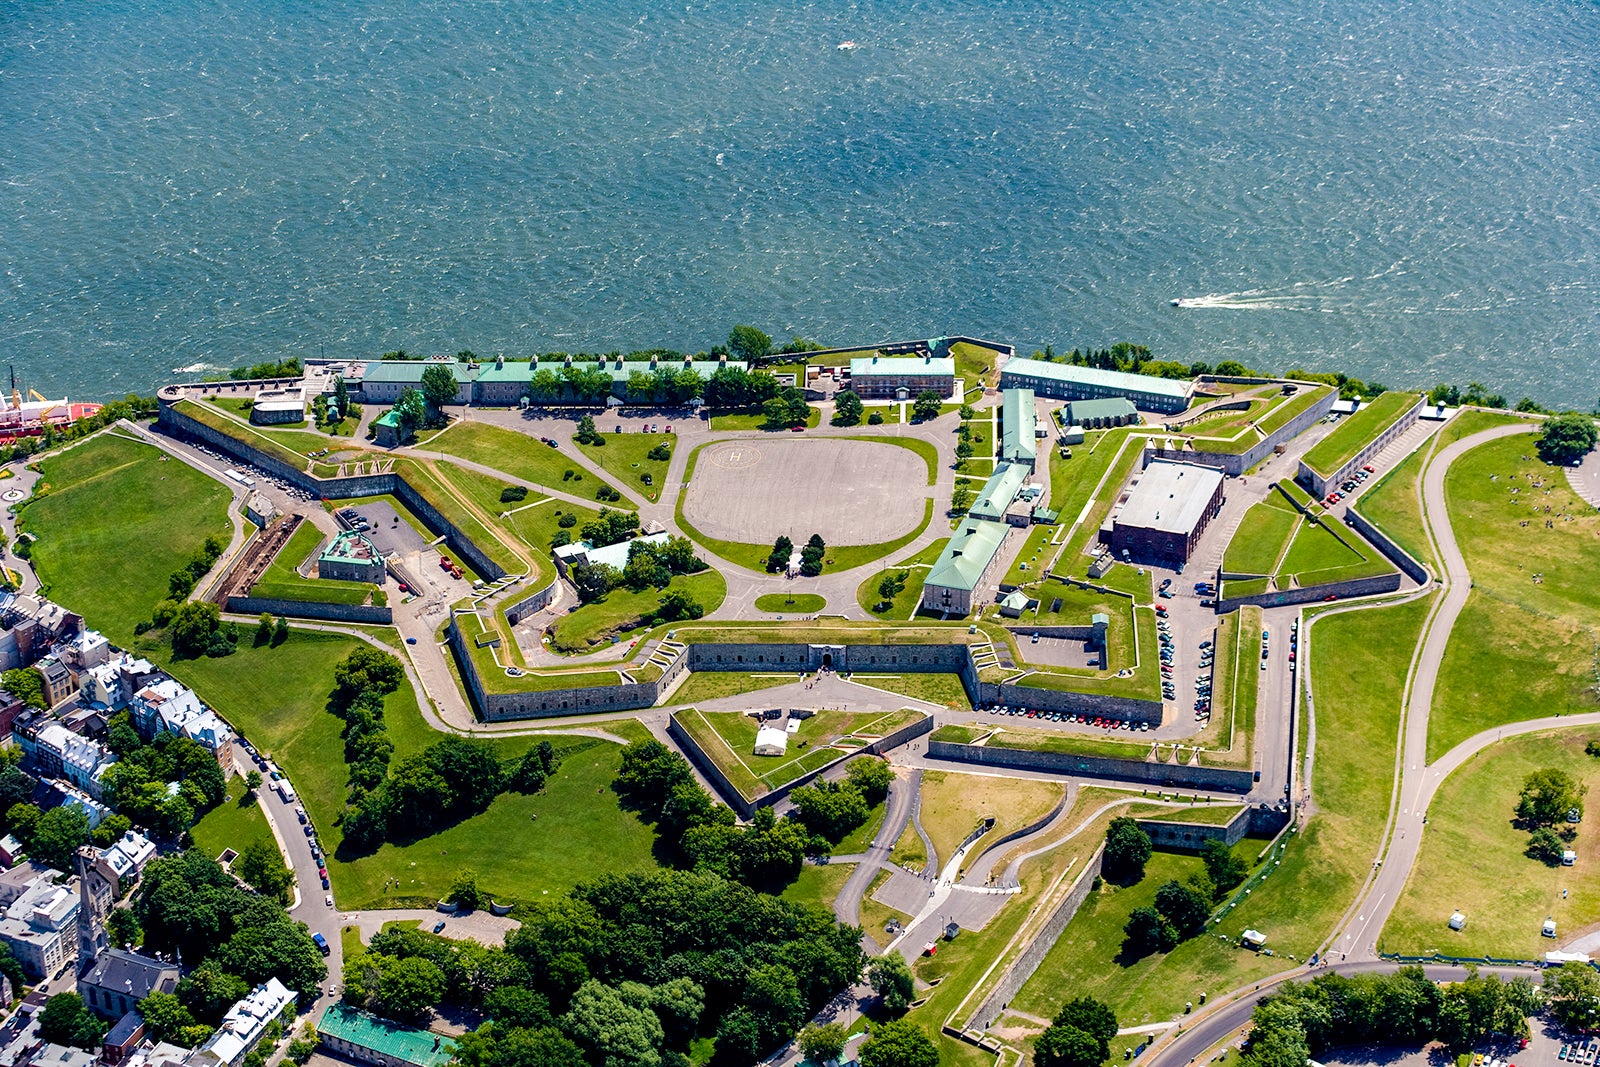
[1369,468]
[797,429]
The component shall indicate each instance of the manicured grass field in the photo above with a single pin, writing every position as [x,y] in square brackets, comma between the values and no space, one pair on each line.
[1097,480]
[755,420]
[791,603]
[729,739]
[119,517]
[1395,504]
[975,363]
[1472,860]
[818,884]
[1259,541]
[904,604]
[1317,548]
[701,686]
[625,457]
[1523,648]
[519,455]
[943,689]
[953,804]
[234,823]
[1036,555]
[282,580]
[1355,431]
[1284,413]
[592,624]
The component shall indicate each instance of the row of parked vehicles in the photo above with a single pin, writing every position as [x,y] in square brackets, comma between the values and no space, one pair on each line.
[1579,1052]
[1349,485]
[1099,722]
[1169,688]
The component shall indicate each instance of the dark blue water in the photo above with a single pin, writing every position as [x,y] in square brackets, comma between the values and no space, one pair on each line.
[1406,191]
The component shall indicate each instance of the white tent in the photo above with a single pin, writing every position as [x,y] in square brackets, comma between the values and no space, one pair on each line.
[772,741]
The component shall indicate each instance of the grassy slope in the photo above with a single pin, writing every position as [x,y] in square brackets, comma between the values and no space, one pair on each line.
[1258,543]
[232,824]
[514,453]
[952,804]
[120,517]
[593,623]
[1521,649]
[624,456]
[1353,432]
[1472,859]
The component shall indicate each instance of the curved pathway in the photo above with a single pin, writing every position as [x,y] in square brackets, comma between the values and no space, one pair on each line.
[1395,860]
[902,798]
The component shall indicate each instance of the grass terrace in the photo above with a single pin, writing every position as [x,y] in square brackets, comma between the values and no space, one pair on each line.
[701,686]
[625,456]
[956,734]
[282,579]
[450,489]
[1035,557]
[208,416]
[1304,399]
[1093,486]
[1262,537]
[946,689]
[599,622]
[519,455]
[904,604]
[728,738]
[1200,815]
[492,674]
[1354,432]
[112,572]
[975,363]
[952,805]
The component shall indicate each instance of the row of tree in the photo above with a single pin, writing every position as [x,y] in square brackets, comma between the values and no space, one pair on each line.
[1404,1007]
[811,556]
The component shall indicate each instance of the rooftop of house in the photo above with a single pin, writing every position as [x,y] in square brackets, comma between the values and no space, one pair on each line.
[350,547]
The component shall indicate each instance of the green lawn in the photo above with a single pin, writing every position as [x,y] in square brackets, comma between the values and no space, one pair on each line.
[904,604]
[1259,541]
[729,738]
[625,457]
[282,579]
[1097,480]
[1061,604]
[791,603]
[519,455]
[270,445]
[1285,412]
[1395,505]
[818,884]
[1316,548]
[1355,431]
[975,363]
[450,489]
[1472,860]
[235,823]
[621,609]
[1522,648]
[701,686]
[119,516]
[943,689]
[1036,555]
[755,420]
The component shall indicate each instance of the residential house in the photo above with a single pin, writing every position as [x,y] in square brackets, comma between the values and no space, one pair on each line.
[168,706]
[53,751]
[243,1026]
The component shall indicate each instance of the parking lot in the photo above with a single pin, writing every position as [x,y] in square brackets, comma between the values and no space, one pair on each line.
[385,528]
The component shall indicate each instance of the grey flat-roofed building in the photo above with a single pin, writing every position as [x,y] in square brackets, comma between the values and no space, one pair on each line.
[1019,422]
[1103,413]
[1062,381]
[956,575]
[880,377]
[1167,511]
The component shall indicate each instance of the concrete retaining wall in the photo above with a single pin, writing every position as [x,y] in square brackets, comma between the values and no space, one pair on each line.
[310,609]
[1057,700]
[1392,551]
[1016,976]
[1143,771]
[531,603]
[747,807]
[1189,836]
[544,703]
[908,659]
[1235,465]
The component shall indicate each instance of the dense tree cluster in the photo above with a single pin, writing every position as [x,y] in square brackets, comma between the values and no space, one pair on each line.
[699,834]
[66,1020]
[236,939]
[778,558]
[610,527]
[749,344]
[811,556]
[788,408]
[1079,1036]
[1128,849]
[899,1043]
[1474,395]
[926,406]
[139,784]
[847,409]
[734,388]
[287,368]
[1405,1007]
[651,565]
[1548,804]
[665,385]
[830,810]
[1572,993]
[26,684]
[1223,868]
[1180,912]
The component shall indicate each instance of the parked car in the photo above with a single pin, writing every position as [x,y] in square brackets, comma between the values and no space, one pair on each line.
[438,926]
[328,900]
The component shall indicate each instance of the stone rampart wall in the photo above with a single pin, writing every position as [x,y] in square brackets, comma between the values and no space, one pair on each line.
[1382,542]
[310,609]
[1143,771]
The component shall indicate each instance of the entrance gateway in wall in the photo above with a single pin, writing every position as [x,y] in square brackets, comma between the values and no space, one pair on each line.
[828,658]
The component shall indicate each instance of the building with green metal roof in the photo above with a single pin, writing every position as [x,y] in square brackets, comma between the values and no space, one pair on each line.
[998,492]
[1019,423]
[1099,414]
[955,577]
[902,377]
[382,381]
[1064,381]
[368,1039]
[351,557]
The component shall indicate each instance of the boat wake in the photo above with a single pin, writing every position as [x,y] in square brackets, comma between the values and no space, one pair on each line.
[194,368]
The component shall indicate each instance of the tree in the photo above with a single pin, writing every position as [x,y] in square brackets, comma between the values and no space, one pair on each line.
[164,1015]
[1226,869]
[411,410]
[262,867]
[341,395]
[439,385]
[899,1044]
[829,810]
[890,978]
[280,633]
[193,627]
[847,408]
[615,1032]
[1067,1046]
[263,630]
[872,776]
[1183,907]
[1573,993]
[1128,849]
[394,987]
[1091,1017]
[26,684]
[122,926]
[749,344]
[586,434]
[1146,932]
[821,1042]
[57,835]
[778,558]
[65,1021]
[926,406]
[1546,846]
[252,781]
[1567,437]
[464,891]
[1547,796]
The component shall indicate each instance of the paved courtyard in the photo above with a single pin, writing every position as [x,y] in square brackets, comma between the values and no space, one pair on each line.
[850,492]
